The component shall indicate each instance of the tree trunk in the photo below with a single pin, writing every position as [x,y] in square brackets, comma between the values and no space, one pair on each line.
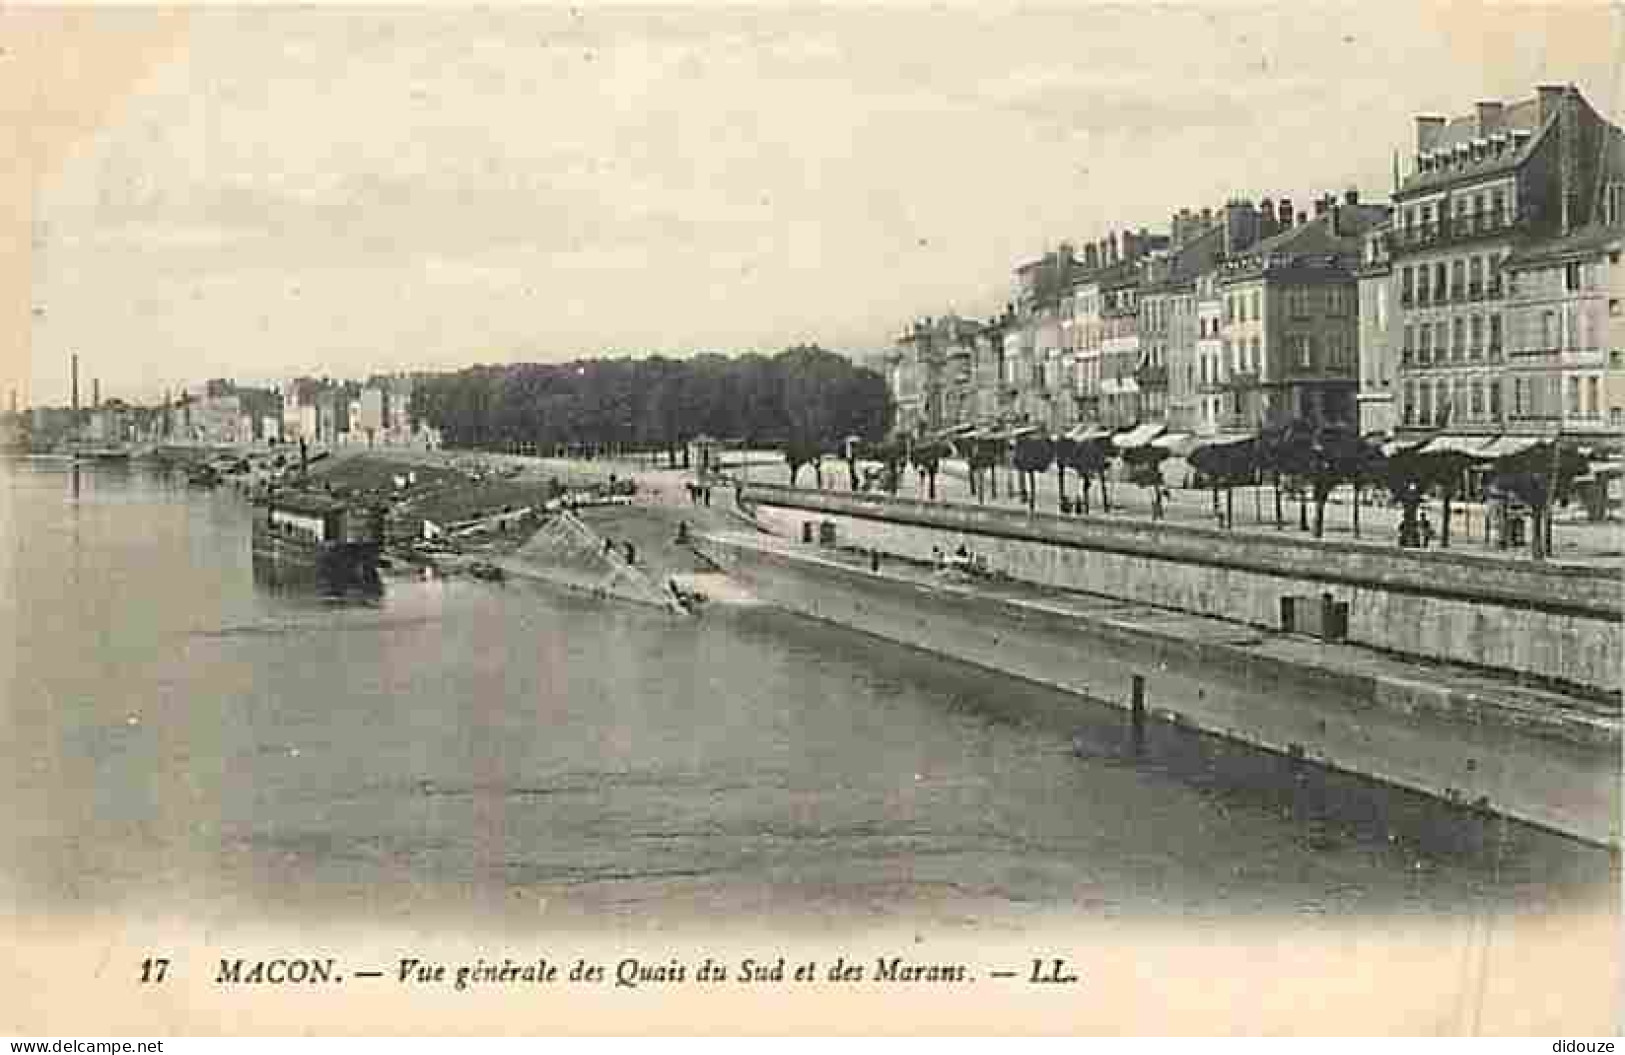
[1105,493]
[931,484]
[795,471]
[1083,491]
[1060,483]
[1356,510]
[1280,518]
[1444,529]
[818,473]
[852,473]
[1230,507]
[1321,495]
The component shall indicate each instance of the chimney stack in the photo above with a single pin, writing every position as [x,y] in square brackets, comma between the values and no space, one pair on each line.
[76,386]
[1428,131]
[1491,116]
[95,393]
[1284,214]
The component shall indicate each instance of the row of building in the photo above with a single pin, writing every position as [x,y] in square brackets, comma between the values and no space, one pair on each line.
[1486,295]
[321,411]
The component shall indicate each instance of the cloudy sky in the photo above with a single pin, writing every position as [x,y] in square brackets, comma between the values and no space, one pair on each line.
[268,192]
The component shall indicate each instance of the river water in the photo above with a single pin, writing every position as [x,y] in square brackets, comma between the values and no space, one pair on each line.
[179,734]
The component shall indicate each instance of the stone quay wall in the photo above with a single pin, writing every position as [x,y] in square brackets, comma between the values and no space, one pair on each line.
[1552,624]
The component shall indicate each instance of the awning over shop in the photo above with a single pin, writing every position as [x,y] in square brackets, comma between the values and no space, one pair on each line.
[1119,386]
[1472,446]
[1395,447]
[1087,433]
[1138,436]
[1177,443]
[1506,446]
[956,431]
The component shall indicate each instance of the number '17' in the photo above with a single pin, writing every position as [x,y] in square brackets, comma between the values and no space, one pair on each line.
[152,970]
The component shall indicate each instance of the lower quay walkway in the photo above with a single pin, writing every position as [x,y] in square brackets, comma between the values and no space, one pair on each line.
[1456,733]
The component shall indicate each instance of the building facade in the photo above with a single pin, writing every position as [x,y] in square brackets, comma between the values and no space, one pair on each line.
[1379,335]
[1290,323]
[1565,339]
[1485,187]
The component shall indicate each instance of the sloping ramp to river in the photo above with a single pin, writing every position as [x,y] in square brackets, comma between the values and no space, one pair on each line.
[569,553]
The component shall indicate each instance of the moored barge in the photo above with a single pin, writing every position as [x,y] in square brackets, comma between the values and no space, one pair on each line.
[319,531]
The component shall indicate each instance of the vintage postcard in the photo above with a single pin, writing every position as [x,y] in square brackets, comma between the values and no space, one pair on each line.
[894,518]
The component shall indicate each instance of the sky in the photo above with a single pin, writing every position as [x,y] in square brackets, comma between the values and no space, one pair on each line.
[265,192]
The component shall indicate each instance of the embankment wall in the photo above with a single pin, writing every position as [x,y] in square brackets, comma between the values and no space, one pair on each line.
[1412,735]
[1554,624]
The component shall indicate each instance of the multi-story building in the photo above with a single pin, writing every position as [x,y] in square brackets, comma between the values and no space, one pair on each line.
[1503,180]
[1168,320]
[931,373]
[993,398]
[1379,330]
[1034,349]
[1565,337]
[1103,336]
[1290,315]
[1215,399]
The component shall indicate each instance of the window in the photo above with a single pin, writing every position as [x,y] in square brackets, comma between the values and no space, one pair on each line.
[1548,329]
[1495,335]
[1422,284]
[1439,279]
[1520,397]
[1574,396]
[1424,351]
[1478,399]
[1256,313]
[1614,204]
[1571,277]
[1424,409]
[1305,352]
[1495,399]
[1458,338]
[1408,402]
[1458,280]
[1441,339]
[1408,348]
[1255,356]
[1613,305]
[1407,286]
[1475,277]
[1591,397]
[1498,206]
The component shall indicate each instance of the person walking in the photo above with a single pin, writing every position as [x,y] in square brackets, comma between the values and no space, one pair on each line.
[1426,530]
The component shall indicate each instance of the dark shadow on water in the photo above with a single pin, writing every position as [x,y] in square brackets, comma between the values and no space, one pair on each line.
[1328,811]
[350,586]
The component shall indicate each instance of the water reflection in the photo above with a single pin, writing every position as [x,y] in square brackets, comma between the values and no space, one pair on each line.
[346,584]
